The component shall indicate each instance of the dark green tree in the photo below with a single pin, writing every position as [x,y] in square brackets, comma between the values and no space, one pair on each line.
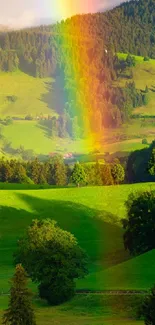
[144,141]
[78,176]
[19,175]
[146,58]
[139,236]
[130,60]
[35,171]
[20,311]
[5,171]
[53,259]
[148,308]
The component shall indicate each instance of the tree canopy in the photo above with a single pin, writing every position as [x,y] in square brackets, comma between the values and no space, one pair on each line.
[53,259]
[139,236]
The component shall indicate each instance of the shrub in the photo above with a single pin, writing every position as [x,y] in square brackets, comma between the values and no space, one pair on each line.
[144,141]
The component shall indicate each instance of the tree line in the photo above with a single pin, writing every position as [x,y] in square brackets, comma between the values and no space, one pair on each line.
[138,166]
[55,172]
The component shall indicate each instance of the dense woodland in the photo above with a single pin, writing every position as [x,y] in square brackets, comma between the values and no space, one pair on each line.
[81,51]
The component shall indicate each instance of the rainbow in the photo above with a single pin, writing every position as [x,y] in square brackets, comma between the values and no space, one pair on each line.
[79,76]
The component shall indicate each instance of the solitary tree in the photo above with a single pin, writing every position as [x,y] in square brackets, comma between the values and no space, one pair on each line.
[20,311]
[148,308]
[78,175]
[139,236]
[53,259]
[130,60]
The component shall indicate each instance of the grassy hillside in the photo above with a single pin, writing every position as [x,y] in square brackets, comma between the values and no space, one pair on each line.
[29,92]
[143,74]
[89,214]
[34,96]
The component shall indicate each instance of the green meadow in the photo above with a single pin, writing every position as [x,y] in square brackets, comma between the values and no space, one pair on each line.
[93,215]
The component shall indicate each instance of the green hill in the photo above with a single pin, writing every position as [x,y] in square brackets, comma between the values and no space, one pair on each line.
[86,212]
[90,215]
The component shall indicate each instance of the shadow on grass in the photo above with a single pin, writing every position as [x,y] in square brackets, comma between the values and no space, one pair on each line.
[98,232]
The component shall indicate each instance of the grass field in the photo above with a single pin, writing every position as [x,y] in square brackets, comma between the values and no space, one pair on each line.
[93,215]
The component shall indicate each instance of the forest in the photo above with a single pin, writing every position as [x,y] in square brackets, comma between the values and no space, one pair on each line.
[64,50]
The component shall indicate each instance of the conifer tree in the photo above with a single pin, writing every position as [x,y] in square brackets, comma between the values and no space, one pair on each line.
[20,311]
[78,175]
[58,171]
